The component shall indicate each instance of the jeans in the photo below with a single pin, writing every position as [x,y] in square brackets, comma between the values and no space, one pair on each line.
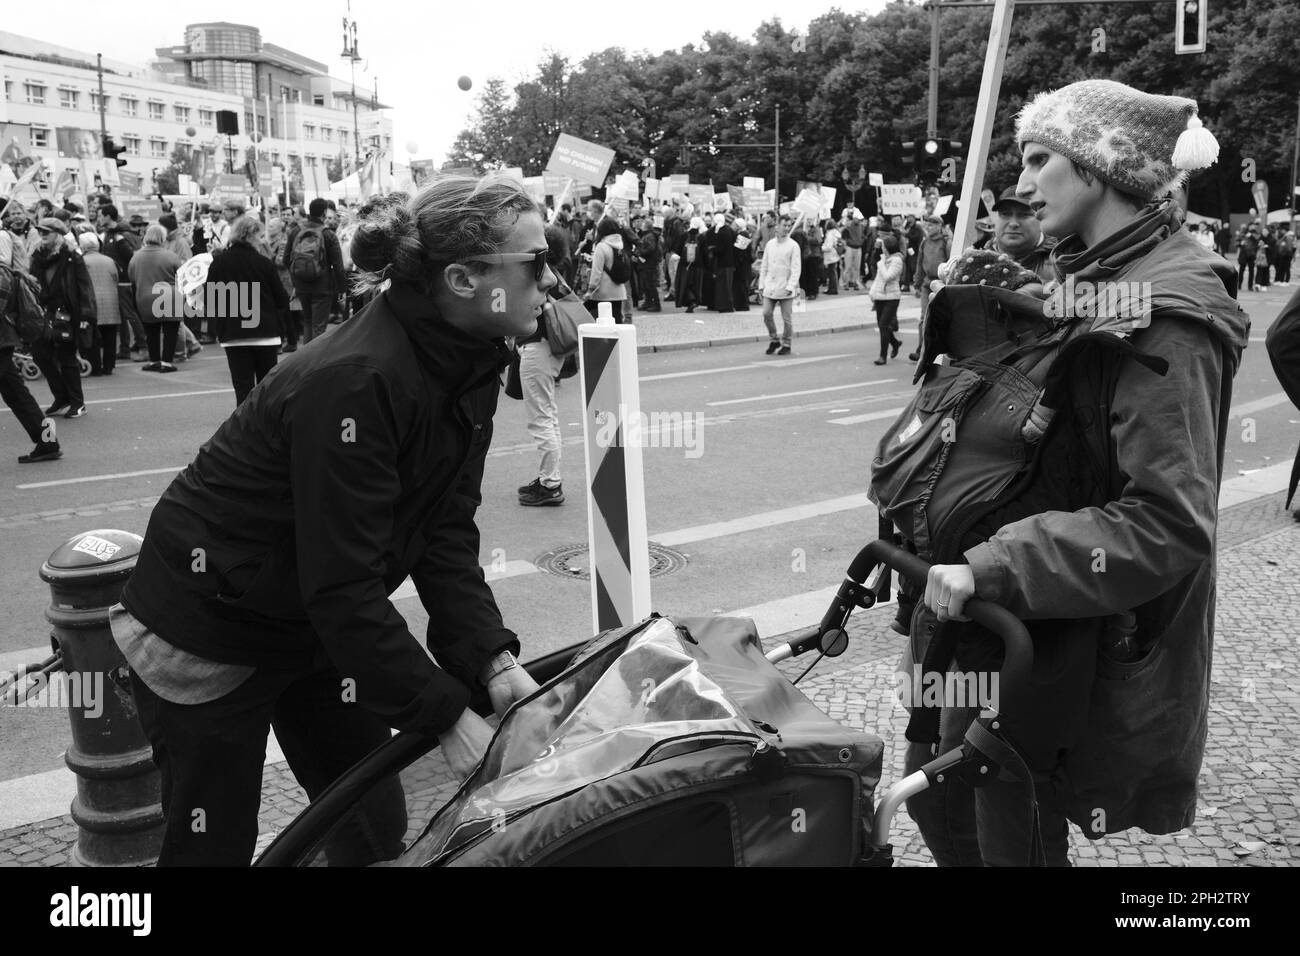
[989,825]
[537,370]
[130,316]
[211,757]
[787,318]
[62,371]
[833,278]
[315,314]
[887,322]
[14,393]
[249,364]
[852,274]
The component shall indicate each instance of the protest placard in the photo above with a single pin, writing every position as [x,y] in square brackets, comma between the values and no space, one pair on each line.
[901,199]
[129,184]
[150,209]
[753,182]
[808,203]
[583,161]
[535,186]
[942,205]
[514,172]
[875,179]
[554,183]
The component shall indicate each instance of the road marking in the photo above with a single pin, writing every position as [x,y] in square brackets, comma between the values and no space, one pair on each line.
[512,569]
[869,417]
[150,398]
[765,519]
[1258,405]
[125,474]
[784,363]
[808,391]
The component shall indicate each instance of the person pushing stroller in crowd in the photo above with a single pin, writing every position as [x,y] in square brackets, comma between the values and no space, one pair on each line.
[1110,562]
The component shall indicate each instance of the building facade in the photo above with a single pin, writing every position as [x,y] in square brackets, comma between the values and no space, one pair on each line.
[287,106]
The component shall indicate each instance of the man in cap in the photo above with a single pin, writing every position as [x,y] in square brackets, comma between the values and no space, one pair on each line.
[69,300]
[1017,233]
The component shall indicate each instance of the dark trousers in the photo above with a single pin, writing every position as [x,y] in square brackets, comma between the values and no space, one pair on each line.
[130,316]
[211,757]
[248,366]
[1261,276]
[14,393]
[810,278]
[985,826]
[315,313]
[62,371]
[833,279]
[1283,268]
[1246,275]
[593,307]
[887,322]
[293,326]
[723,278]
[162,340]
[107,348]
[650,285]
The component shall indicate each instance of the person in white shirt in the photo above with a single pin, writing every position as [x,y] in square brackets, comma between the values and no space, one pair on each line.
[777,281]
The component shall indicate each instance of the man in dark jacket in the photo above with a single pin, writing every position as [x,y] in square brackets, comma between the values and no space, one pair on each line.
[119,242]
[13,390]
[319,277]
[1283,345]
[69,299]
[263,582]
[723,243]
[1017,233]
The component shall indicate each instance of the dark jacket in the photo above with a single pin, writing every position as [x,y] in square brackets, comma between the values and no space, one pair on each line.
[120,245]
[253,301]
[1283,345]
[1133,732]
[353,464]
[65,283]
[723,241]
[333,279]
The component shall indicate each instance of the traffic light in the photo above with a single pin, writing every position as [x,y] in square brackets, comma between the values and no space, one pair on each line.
[929,162]
[1189,26]
[113,151]
[908,156]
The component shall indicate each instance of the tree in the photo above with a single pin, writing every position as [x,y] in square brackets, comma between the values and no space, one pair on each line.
[169,181]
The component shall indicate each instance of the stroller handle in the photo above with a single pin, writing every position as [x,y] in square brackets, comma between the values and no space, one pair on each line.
[1019,659]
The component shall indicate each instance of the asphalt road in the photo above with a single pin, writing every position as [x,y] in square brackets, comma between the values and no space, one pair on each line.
[768,502]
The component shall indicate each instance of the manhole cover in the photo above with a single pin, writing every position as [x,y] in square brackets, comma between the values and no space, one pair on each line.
[571,561]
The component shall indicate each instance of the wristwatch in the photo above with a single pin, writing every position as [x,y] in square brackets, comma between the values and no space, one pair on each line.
[499,664]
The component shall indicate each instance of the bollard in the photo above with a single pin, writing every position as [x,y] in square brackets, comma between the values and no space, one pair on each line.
[619,546]
[117,809]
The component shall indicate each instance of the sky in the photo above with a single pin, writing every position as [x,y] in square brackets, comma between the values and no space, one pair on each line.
[416,52]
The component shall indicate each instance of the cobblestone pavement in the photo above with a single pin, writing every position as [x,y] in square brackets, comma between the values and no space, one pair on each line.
[1249,803]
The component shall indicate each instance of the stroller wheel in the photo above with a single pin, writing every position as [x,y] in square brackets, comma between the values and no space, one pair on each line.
[84,366]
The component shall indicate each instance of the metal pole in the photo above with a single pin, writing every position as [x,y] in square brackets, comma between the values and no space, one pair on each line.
[933,121]
[1295,160]
[99,69]
[776,182]
[356,128]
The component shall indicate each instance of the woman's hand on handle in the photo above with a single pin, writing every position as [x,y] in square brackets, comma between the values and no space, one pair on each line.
[947,589]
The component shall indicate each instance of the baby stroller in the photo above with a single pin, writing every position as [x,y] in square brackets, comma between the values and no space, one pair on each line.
[29,370]
[665,743]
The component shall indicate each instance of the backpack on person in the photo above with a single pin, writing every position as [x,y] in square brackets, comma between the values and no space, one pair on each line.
[307,260]
[619,269]
[24,307]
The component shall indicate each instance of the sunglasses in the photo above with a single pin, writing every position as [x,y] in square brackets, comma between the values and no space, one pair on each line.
[538,259]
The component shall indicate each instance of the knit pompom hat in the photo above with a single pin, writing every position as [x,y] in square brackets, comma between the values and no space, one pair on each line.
[987,267]
[1140,143]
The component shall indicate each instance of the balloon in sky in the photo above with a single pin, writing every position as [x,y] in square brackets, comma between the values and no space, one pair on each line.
[412,147]
[464,82]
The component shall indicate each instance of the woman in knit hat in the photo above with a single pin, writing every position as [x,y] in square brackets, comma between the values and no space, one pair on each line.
[1117,586]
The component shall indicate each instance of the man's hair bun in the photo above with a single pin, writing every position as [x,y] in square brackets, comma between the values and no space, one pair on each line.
[387,239]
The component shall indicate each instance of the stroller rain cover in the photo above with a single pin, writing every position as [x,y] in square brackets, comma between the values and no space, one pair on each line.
[663,743]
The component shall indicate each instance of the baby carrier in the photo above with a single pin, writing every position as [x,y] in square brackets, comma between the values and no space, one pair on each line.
[987,441]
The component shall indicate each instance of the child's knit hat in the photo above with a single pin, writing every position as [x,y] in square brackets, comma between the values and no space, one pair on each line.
[1140,143]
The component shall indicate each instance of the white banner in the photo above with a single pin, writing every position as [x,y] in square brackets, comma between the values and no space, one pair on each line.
[901,199]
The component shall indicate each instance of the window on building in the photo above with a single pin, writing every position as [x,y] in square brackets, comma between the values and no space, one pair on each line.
[158,148]
[261,125]
[275,158]
[35,93]
[318,100]
[40,137]
[308,131]
[68,98]
[132,144]
[311,161]
[327,134]
[9,89]
[98,102]
[207,117]
[130,106]
[248,121]
[182,113]
[155,111]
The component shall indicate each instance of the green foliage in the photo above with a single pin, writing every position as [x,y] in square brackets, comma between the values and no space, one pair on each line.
[852,87]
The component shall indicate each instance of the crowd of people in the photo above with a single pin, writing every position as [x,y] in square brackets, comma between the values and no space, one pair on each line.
[119,285]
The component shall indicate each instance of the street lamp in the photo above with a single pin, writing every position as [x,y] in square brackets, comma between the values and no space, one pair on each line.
[350,53]
[853,183]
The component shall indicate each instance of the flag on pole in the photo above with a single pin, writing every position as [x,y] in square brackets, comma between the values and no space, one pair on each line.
[24,190]
[366,178]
